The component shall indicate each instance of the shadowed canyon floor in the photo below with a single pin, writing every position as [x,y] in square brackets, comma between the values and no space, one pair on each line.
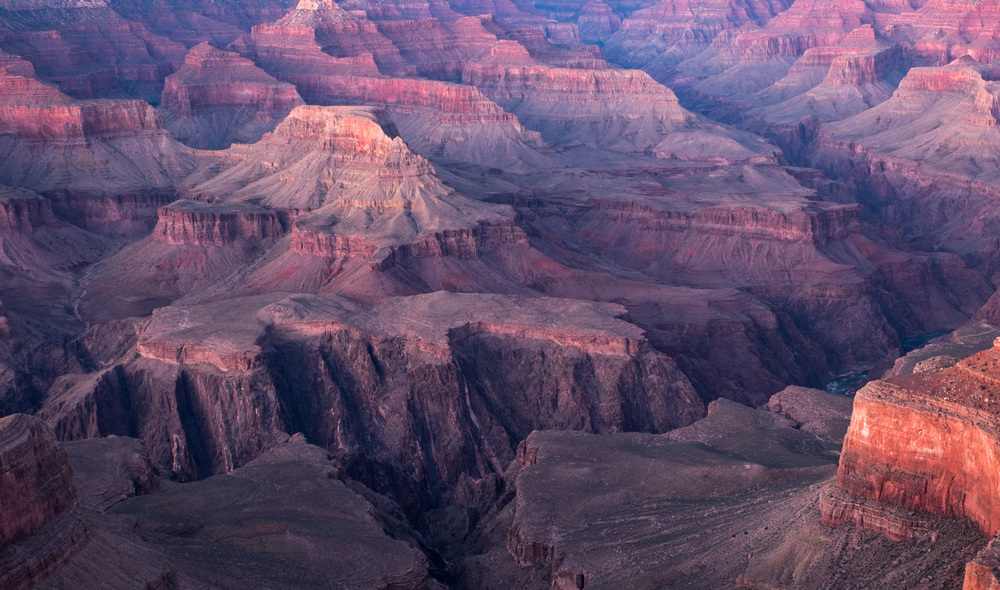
[494,294]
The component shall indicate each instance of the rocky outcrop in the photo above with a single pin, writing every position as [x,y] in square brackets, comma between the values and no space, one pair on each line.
[38,482]
[52,142]
[22,211]
[983,572]
[339,32]
[902,447]
[947,112]
[373,198]
[440,120]
[38,526]
[827,415]
[922,444]
[218,97]
[193,223]
[415,392]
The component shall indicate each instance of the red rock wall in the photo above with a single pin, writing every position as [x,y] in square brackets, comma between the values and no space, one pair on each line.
[923,454]
[202,225]
[36,482]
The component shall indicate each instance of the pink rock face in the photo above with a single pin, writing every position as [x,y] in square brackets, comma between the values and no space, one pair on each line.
[919,442]
[212,78]
[109,54]
[199,224]
[54,142]
[925,442]
[983,573]
[217,97]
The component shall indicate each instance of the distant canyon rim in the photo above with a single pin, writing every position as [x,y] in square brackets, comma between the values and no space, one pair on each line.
[499,294]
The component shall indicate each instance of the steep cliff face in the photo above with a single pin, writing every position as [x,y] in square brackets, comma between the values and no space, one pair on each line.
[37,479]
[22,211]
[54,142]
[217,98]
[905,434]
[925,443]
[192,223]
[38,527]
[416,393]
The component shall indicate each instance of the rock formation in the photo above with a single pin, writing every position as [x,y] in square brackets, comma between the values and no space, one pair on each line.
[40,526]
[425,234]
[111,57]
[51,141]
[439,120]
[451,374]
[923,442]
[217,98]
[621,110]
[945,111]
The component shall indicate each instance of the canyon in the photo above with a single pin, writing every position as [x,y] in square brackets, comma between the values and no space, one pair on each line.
[489,294]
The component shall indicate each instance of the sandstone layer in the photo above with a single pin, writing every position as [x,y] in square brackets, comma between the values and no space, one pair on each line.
[923,443]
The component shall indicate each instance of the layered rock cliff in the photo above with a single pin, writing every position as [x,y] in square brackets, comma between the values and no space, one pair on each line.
[111,57]
[621,110]
[452,378]
[39,527]
[370,196]
[193,223]
[440,120]
[945,111]
[52,142]
[901,446]
[217,98]
[924,443]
